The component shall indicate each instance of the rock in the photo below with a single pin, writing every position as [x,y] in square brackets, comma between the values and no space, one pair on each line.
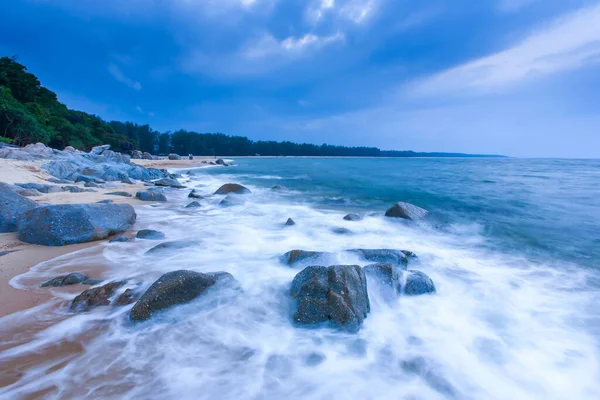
[147,156]
[127,180]
[99,149]
[194,195]
[232,188]
[85,178]
[341,231]
[59,181]
[174,156]
[220,161]
[174,288]
[58,225]
[99,296]
[280,188]
[232,200]
[388,256]
[91,184]
[290,222]
[107,201]
[120,239]
[174,245]
[352,217]
[406,211]
[421,367]
[301,256]
[170,182]
[70,149]
[28,192]
[12,207]
[122,194]
[126,298]
[76,189]
[41,187]
[150,234]
[151,195]
[418,283]
[336,295]
[193,204]
[71,279]
[137,155]
[389,276]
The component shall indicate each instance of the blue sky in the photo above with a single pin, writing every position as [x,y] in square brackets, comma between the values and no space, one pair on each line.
[517,77]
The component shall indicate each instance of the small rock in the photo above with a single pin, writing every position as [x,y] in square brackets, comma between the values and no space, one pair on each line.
[123,194]
[120,239]
[174,245]
[352,217]
[71,279]
[174,288]
[151,195]
[290,222]
[169,182]
[91,184]
[279,188]
[194,195]
[76,189]
[150,234]
[232,188]
[418,283]
[193,204]
[59,181]
[41,187]
[107,201]
[174,156]
[99,296]
[29,192]
[341,231]
[406,211]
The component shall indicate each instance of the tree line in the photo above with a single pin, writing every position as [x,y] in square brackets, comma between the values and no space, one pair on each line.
[31,113]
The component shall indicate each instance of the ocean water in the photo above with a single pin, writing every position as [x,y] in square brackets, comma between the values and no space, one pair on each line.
[512,245]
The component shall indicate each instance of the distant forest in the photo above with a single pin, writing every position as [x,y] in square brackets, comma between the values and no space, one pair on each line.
[30,113]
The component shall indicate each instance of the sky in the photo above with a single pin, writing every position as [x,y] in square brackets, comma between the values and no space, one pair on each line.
[513,77]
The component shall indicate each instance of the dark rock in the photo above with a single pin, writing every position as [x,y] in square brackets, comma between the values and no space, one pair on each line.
[123,194]
[174,245]
[194,195]
[280,188]
[232,200]
[193,204]
[418,283]
[99,149]
[28,192]
[406,211]
[151,195]
[336,295]
[220,161]
[59,181]
[74,278]
[3,253]
[41,187]
[120,239]
[388,256]
[290,222]
[169,182]
[127,180]
[232,188]
[174,156]
[174,288]
[107,201]
[129,296]
[12,207]
[352,217]
[300,256]
[147,156]
[136,155]
[421,367]
[341,231]
[83,178]
[91,184]
[58,225]
[99,296]
[150,234]
[389,276]
[76,189]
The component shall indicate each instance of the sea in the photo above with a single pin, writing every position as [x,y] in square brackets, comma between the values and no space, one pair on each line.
[512,245]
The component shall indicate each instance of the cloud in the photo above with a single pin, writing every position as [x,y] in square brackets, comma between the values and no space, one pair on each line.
[357,11]
[139,109]
[118,74]
[268,45]
[570,42]
[319,9]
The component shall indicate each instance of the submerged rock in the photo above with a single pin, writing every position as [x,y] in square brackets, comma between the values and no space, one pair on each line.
[294,257]
[169,182]
[418,283]
[120,239]
[232,188]
[382,255]
[194,195]
[129,296]
[12,208]
[232,200]
[174,245]
[150,234]
[279,188]
[151,195]
[99,296]
[341,231]
[71,279]
[352,217]
[290,222]
[336,295]
[193,204]
[174,288]
[389,276]
[406,211]
[59,225]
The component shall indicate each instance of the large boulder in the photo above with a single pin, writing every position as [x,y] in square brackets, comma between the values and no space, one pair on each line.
[336,295]
[294,257]
[174,156]
[390,256]
[169,182]
[98,296]
[151,195]
[174,288]
[406,211]
[59,225]
[418,283]
[12,208]
[232,188]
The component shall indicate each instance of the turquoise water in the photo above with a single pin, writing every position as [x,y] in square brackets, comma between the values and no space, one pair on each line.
[512,246]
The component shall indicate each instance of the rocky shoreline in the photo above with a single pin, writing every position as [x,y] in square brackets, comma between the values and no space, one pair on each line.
[334,296]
